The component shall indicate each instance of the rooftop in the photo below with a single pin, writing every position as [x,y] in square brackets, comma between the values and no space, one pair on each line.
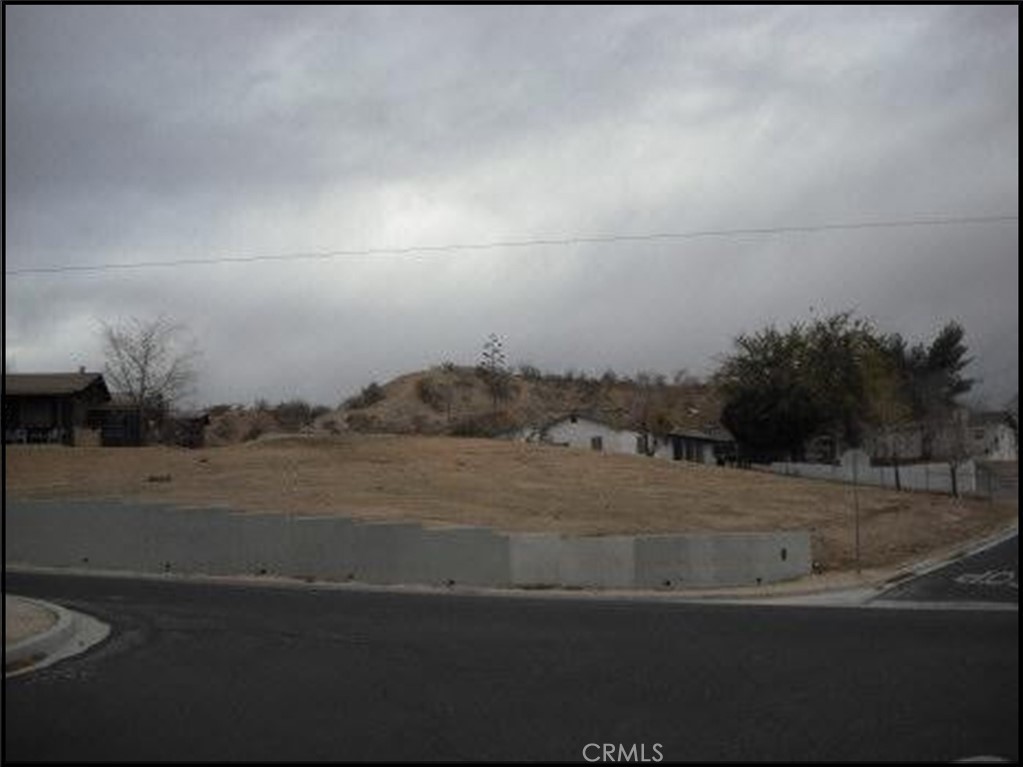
[50,384]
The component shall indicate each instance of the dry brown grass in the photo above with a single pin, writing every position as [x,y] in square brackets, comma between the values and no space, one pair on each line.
[509,486]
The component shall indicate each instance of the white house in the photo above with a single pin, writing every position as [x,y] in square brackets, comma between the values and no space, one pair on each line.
[981,435]
[988,437]
[582,432]
[591,433]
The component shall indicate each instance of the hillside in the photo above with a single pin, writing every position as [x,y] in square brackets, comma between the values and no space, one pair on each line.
[458,401]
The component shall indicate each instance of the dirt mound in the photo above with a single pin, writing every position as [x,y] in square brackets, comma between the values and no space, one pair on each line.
[465,401]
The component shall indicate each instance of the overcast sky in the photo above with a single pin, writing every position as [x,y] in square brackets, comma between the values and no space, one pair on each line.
[139,134]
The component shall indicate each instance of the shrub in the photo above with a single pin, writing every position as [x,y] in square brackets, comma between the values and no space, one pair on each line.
[530,372]
[370,395]
[433,394]
[361,422]
[589,388]
[254,431]
[293,415]
[484,425]
[223,430]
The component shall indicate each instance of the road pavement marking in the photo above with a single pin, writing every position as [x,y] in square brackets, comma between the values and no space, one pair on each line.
[995,578]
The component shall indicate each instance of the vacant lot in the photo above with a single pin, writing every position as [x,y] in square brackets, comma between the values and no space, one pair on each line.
[508,486]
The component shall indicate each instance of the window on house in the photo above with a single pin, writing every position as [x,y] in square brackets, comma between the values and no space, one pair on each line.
[38,412]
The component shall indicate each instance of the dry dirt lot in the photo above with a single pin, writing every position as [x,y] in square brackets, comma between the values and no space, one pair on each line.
[509,486]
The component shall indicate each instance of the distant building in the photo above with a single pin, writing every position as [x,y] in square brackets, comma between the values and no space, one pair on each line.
[52,407]
[710,445]
[118,421]
[77,409]
[582,431]
[989,437]
[984,435]
[122,424]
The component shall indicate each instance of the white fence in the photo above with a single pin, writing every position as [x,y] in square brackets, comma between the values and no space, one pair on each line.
[855,467]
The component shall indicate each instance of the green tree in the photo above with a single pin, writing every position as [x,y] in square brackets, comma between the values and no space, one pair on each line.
[889,406]
[769,402]
[837,377]
[836,353]
[933,378]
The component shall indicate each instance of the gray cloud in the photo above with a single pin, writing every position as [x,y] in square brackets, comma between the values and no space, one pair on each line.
[146,133]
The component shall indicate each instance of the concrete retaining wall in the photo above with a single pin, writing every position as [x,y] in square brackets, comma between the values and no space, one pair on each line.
[145,538]
[728,559]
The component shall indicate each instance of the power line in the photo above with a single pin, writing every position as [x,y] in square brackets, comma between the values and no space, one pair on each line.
[541,242]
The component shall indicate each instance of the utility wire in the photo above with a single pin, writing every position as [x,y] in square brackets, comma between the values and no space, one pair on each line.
[543,242]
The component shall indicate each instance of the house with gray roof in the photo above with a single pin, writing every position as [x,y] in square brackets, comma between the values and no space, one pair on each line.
[52,408]
[712,444]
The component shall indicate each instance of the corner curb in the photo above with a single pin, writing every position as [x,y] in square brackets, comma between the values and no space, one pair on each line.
[73,633]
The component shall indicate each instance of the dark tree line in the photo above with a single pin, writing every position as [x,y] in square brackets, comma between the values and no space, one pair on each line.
[838,377]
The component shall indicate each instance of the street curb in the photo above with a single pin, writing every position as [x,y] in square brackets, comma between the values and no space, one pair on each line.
[72,634]
[45,642]
[905,604]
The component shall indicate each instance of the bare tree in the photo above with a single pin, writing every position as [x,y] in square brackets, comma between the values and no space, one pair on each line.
[150,363]
[650,410]
[1011,417]
[956,446]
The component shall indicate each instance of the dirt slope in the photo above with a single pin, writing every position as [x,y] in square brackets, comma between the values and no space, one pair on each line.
[457,400]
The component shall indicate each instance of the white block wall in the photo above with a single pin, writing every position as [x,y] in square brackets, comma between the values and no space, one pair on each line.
[931,477]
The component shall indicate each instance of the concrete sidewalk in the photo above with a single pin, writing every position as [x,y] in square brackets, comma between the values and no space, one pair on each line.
[38,633]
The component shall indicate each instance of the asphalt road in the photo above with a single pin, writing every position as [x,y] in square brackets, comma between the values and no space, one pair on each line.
[198,671]
[991,575]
